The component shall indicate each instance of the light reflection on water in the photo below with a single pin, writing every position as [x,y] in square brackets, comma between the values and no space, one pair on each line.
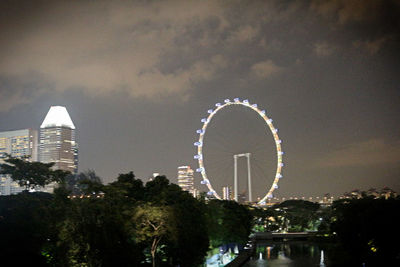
[280,254]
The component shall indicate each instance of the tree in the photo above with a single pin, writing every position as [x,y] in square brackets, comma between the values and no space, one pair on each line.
[93,233]
[186,223]
[31,174]
[301,215]
[25,228]
[151,225]
[228,222]
[367,228]
[155,189]
[76,183]
[128,186]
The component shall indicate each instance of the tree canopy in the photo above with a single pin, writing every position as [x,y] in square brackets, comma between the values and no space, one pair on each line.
[124,223]
[31,174]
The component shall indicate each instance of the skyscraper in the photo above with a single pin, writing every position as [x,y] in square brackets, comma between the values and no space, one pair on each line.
[185,179]
[57,140]
[227,193]
[19,143]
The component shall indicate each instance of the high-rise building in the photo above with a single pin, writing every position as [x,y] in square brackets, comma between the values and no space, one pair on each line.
[185,179]
[196,193]
[19,143]
[226,193]
[57,140]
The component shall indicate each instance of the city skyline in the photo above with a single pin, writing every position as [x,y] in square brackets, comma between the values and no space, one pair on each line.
[137,78]
[53,143]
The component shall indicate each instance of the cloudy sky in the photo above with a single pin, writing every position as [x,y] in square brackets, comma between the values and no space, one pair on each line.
[137,77]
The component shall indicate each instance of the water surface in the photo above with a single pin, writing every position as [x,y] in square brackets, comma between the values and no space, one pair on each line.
[296,253]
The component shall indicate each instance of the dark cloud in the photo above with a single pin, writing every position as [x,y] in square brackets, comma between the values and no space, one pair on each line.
[107,47]
[374,11]
[372,19]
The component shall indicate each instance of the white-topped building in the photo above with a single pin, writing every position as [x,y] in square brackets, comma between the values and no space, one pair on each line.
[57,117]
[57,140]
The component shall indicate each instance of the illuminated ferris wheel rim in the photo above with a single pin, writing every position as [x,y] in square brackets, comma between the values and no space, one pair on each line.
[274,131]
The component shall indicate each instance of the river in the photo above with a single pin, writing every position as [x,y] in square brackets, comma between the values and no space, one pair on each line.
[300,253]
[292,253]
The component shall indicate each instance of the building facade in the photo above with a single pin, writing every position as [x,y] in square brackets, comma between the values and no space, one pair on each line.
[57,140]
[227,193]
[186,179]
[19,144]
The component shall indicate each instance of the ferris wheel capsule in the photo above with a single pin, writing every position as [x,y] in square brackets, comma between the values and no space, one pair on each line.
[210,111]
[236,99]
[227,100]
[203,120]
[198,144]
[200,169]
[199,156]
[205,181]
[218,104]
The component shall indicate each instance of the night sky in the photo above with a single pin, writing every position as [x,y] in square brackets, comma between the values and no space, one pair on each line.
[138,76]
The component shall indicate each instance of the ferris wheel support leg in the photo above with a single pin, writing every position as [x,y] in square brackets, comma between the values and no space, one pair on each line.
[235,185]
[249,177]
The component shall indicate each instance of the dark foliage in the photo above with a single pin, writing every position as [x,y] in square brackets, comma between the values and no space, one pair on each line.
[369,228]
[228,222]
[77,184]
[99,227]
[31,174]
[25,228]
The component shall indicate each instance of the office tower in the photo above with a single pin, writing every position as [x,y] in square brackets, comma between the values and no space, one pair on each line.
[185,179]
[19,143]
[196,193]
[57,140]
[226,193]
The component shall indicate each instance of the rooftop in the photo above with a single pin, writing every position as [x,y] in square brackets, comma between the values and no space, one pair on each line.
[57,117]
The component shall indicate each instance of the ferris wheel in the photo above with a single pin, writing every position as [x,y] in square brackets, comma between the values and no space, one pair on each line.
[200,157]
